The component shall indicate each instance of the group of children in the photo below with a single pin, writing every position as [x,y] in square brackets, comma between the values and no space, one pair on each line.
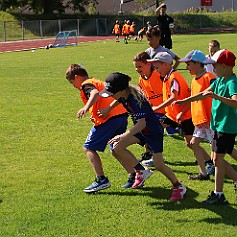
[205,111]
[128,31]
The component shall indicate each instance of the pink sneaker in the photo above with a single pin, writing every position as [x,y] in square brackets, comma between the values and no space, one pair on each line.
[141,176]
[178,192]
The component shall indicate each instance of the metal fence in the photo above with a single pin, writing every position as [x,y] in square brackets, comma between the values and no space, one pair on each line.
[39,29]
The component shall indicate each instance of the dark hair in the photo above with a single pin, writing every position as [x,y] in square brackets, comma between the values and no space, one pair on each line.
[215,43]
[143,56]
[163,6]
[153,31]
[75,69]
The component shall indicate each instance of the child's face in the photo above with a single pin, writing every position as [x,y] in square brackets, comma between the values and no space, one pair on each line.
[160,67]
[153,41]
[212,49]
[77,82]
[143,69]
[192,67]
[219,69]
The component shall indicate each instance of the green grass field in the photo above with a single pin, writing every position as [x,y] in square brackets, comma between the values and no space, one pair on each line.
[43,169]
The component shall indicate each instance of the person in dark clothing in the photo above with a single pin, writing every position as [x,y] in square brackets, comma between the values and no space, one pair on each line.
[166,25]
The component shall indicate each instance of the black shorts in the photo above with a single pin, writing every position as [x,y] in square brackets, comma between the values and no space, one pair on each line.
[223,142]
[185,128]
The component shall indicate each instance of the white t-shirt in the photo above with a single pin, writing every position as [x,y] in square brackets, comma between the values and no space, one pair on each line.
[152,52]
[209,67]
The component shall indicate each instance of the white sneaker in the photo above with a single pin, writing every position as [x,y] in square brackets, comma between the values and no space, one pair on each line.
[149,163]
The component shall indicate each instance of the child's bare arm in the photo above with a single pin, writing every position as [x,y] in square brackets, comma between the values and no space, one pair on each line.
[176,64]
[105,111]
[199,96]
[232,102]
[94,94]
[168,102]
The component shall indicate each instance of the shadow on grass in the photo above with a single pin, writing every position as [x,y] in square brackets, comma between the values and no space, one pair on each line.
[227,214]
[181,163]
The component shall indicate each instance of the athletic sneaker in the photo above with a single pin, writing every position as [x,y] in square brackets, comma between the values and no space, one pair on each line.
[97,185]
[145,156]
[199,177]
[141,176]
[129,183]
[210,168]
[178,192]
[149,163]
[214,199]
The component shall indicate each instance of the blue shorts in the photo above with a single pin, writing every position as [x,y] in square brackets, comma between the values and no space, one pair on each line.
[99,136]
[154,141]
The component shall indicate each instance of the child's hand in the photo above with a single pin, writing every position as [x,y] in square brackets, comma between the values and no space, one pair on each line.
[179,118]
[103,112]
[208,93]
[115,139]
[81,113]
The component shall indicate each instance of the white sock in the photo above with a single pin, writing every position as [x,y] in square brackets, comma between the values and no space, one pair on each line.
[218,193]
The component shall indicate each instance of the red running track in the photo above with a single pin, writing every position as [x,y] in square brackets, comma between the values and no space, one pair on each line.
[24,45]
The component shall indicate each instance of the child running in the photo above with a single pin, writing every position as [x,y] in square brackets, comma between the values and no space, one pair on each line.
[201,112]
[116,30]
[126,31]
[223,92]
[151,85]
[146,130]
[141,33]
[104,128]
[174,87]
[153,37]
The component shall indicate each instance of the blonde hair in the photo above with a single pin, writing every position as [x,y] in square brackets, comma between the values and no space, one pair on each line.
[137,93]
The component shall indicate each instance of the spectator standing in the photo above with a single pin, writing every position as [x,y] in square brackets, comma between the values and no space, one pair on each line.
[166,25]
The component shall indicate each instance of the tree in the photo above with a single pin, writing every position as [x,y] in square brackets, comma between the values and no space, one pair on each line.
[47,6]
[79,5]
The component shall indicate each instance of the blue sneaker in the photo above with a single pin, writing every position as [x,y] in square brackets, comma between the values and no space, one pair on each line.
[214,199]
[129,183]
[97,185]
[210,168]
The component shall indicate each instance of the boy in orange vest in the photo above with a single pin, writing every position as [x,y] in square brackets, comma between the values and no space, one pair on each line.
[126,31]
[201,112]
[151,85]
[116,30]
[104,128]
[174,88]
